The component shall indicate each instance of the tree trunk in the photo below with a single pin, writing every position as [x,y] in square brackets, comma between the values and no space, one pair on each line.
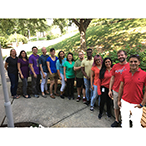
[82,25]
[82,40]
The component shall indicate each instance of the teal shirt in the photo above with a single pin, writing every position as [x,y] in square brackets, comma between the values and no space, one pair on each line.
[69,70]
[60,66]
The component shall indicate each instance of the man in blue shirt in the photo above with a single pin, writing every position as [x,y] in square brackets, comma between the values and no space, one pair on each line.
[51,64]
[44,71]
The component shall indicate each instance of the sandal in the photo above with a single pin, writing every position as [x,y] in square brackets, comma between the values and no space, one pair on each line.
[56,94]
[16,97]
[25,96]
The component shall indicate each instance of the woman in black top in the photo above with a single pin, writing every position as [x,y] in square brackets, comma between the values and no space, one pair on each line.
[11,67]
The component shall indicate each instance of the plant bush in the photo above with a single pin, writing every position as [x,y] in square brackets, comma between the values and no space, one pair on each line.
[3,42]
[130,51]
[40,39]
[20,38]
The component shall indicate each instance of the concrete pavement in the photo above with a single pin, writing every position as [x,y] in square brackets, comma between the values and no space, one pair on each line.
[50,112]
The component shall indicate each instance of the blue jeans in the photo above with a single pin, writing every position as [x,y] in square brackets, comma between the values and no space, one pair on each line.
[14,83]
[94,97]
[88,89]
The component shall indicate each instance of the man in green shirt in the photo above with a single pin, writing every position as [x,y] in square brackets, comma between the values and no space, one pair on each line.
[79,77]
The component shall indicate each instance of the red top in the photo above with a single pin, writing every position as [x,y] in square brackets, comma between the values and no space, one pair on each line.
[133,86]
[106,80]
[117,71]
[96,71]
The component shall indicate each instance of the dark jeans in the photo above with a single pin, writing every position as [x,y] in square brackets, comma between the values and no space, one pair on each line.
[104,98]
[35,82]
[70,87]
[14,83]
[24,84]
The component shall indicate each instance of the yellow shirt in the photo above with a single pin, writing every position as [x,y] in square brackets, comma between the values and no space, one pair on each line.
[87,64]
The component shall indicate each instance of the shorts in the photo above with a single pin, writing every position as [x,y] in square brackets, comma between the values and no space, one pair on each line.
[53,76]
[115,99]
[80,83]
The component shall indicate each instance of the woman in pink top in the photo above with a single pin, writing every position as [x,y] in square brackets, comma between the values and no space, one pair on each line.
[95,78]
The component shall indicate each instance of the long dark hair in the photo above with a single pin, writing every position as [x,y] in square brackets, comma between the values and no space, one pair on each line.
[60,59]
[25,55]
[70,54]
[103,68]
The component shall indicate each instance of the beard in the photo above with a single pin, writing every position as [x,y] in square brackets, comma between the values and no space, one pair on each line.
[122,60]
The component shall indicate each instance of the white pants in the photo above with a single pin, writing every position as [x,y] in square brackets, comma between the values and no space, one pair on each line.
[44,81]
[62,82]
[136,116]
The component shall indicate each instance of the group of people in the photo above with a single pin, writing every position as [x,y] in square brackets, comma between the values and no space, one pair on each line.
[95,78]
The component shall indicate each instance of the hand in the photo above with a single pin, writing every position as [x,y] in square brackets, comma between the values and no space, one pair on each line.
[44,76]
[35,75]
[50,73]
[92,87]
[65,79]
[22,77]
[119,104]
[60,78]
[88,78]
[110,94]
[138,105]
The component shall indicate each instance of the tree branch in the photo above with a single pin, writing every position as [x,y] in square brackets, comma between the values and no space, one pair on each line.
[86,23]
[76,22]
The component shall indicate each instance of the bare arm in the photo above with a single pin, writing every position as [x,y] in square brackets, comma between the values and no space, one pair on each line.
[110,86]
[83,71]
[65,74]
[59,74]
[77,68]
[6,65]
[32,69]
[143,101]
[18,65]
[120,93]
[48,65]
[91,80]
[42,71]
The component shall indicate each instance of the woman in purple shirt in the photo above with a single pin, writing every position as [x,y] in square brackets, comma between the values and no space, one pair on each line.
[23,71]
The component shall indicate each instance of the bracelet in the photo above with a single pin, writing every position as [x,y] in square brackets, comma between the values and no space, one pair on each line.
[141,105]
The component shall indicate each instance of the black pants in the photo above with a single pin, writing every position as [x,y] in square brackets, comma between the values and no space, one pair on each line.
[24,86]
[14,83]
[70,87]
[104,98]
[35,83]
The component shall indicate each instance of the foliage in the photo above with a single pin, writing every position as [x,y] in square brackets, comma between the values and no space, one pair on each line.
[33,39]
[61,23]
[22,26]
[130,51]
[3,42]
[20,38]
[43,38]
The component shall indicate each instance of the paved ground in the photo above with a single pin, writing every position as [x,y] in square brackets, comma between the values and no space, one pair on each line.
[39,44]
[52,112]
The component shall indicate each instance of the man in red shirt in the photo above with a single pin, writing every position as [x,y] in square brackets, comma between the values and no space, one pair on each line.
[117,71]
[131,92]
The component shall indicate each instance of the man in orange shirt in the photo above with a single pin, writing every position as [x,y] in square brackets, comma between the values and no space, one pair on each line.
[117,71]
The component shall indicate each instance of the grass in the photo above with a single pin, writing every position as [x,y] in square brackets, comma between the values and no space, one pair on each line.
[103,38]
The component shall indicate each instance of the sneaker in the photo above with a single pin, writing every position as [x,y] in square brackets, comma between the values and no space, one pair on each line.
[87,103]
[73,97]
[84,100]
[36,96]
[91,108]
[78,99]
[115,124]
[99,116]
[69,97]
